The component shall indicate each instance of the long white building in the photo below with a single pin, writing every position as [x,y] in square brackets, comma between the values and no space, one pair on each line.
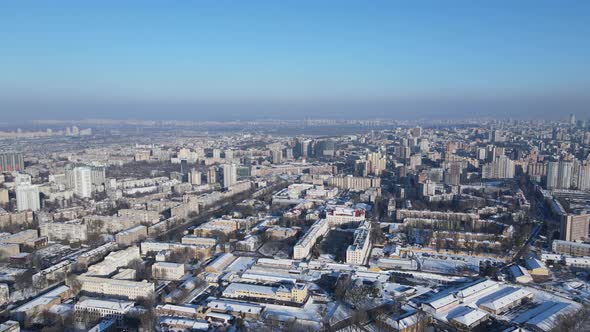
[358,251]
[103,308]
[113,261]
[338,215]
[71,231]
[131,290]
[306,242]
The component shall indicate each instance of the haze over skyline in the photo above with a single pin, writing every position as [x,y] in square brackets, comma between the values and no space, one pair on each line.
[292,59]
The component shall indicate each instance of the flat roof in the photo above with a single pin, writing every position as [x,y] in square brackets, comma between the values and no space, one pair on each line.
[239,287]
[235,306]
[167,264]
[180,308]
[118,305]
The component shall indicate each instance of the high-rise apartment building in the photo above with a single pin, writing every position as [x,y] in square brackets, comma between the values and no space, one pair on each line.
[11,162]
[583,177]
[452,175]
[575,227]
[564,177]
[559,174]
[83,182]
[416,132]
[229,154]
[482,153]
[537,170]
[98,175]
[361,168]
[212,175]
[501,168]
[195,177]
[230,175]
[276,156]
[184,167]
[4,199]
[304,148]
[27,197]
[377,164]
[216,153]
[21,179]
[552,173]
[424,145]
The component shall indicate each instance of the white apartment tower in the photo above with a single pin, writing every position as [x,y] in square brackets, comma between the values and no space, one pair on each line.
[83,182]
[564,178]
[230,175]
[27,197]
[560,175]
[195,177]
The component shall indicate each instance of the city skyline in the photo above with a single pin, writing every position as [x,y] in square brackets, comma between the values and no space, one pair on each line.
[294,165]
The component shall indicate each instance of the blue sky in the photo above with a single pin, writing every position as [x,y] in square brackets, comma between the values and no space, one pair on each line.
[207,59]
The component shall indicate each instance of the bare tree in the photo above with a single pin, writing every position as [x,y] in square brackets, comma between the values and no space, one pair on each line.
[576,321]
[74,283]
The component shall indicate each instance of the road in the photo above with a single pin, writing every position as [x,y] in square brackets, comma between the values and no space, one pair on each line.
[534,233]
[175,232]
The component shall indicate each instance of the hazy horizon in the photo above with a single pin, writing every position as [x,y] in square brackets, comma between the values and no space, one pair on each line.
[293,60]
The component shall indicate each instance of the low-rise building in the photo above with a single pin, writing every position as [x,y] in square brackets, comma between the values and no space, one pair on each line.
[68,231]
[303,246]
[469,318]
[150,247]
[184,324]
[536,268]
[186,311]
[338,215]
[520,274]
[236,308]
[4,294]
[26,237]
[198,240]
[96,254]
[9,249]
[52,274]
[578,262]
[570,248]
[168,271]
[143,216]
[41,303]
[219,263]
[296,293]
[439,304]
[477,289]
[507,299]
[10,326]
[131,236]
[397,263]
[223,225]
[113,261]
[91,309]
[127,289]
